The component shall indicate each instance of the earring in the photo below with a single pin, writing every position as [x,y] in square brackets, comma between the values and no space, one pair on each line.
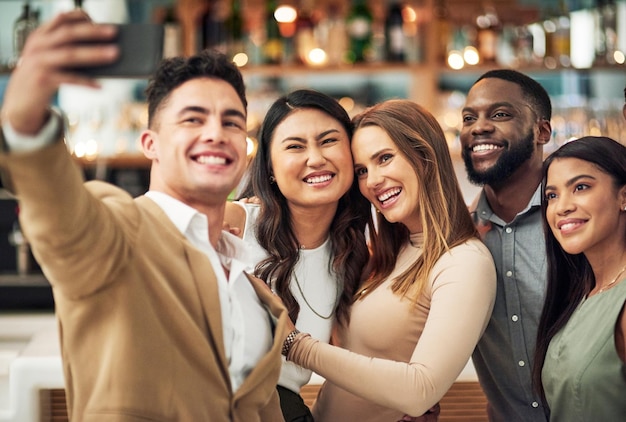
[272,179]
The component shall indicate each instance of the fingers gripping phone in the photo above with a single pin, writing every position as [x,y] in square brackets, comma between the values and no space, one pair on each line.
[141,50]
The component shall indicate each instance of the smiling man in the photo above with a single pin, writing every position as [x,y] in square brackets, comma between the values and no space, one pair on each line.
[506,123]
[158,317]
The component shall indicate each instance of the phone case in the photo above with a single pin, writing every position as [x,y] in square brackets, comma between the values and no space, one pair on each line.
[141,50]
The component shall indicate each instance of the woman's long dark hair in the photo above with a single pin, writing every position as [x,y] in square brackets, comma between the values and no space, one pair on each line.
[570,277]
[274,229]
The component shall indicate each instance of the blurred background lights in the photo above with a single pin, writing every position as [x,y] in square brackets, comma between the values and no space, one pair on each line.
[455,60]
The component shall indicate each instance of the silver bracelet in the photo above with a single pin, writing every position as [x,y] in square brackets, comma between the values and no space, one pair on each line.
[291,338]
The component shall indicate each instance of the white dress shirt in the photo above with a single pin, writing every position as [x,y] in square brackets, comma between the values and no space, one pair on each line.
[245,321]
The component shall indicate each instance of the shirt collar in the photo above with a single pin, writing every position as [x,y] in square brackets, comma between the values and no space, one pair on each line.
[178,212]
[485,212]
[190,221]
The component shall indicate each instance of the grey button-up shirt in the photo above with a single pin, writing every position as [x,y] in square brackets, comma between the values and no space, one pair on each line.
[504,355]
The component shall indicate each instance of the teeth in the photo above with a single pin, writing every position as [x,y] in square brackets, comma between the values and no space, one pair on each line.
[568,226]
[484,147]
[318,179]
[211,159]
[389,194]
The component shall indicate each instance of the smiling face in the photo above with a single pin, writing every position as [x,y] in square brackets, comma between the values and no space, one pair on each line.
[500,131]
[386,177]
[311,159]
[585,210]
[198,142]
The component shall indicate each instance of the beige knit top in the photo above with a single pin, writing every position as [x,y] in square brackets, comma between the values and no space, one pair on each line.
[395,357]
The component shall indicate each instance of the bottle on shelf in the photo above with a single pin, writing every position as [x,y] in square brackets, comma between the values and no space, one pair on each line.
[506,47]
[524,41]
[359,24]
[273,48]
[235,30]
[214,32]
[557,30]
[561,37]
[442,31]
[606,32]
[488,26]
[26,23]
[172,32]
[305,32]
[395,42]
[332,35]
[413,45]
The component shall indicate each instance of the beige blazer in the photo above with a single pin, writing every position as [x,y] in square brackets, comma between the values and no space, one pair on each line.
[137,304]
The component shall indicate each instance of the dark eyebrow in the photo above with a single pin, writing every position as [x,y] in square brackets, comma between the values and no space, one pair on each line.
[492,106]
[318,137]
[202,110]
[573,180]
[233,112]
[195,109]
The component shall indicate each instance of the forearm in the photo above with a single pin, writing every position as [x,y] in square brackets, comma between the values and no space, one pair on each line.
[463,291]
[63,221]
[406,387]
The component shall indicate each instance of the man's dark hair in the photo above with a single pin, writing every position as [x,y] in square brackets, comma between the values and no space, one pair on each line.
[175,71]
[532,90]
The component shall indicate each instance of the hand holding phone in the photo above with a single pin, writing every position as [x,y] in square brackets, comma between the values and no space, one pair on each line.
[141,50]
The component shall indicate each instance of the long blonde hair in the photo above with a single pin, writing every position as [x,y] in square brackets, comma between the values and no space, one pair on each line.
[444,215]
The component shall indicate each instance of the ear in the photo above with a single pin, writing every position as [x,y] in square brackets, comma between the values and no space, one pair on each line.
[622,197]
[148,144]
[545,132]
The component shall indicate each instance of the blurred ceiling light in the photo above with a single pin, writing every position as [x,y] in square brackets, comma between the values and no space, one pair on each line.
[240,59]
[470,55]
[285,14]
[317,57]
[455,60]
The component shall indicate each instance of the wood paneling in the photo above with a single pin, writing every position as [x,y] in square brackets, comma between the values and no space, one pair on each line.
[52,405]
[465,401]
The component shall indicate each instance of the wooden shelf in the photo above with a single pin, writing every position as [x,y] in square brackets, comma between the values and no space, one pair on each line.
[287,70]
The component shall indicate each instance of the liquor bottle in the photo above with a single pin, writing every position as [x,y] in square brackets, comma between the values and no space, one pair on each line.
[561,37]
[234,28]
[273,48]
[26,23]
[395,42]
[413,43]
[332,35]
[359,23]
[172,34]
[487,36]
[524,46]
[214,33]
[606,32]
[442,30]
[305,31]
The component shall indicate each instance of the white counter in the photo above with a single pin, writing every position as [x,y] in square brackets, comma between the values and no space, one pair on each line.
[29,361]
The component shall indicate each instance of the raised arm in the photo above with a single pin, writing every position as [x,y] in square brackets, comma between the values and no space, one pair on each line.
[63,220]
[463,291]
[49,52]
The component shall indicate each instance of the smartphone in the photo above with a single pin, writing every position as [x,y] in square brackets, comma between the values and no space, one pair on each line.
[141,50]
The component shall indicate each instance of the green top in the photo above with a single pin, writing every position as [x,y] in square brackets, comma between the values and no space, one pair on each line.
[583,376]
